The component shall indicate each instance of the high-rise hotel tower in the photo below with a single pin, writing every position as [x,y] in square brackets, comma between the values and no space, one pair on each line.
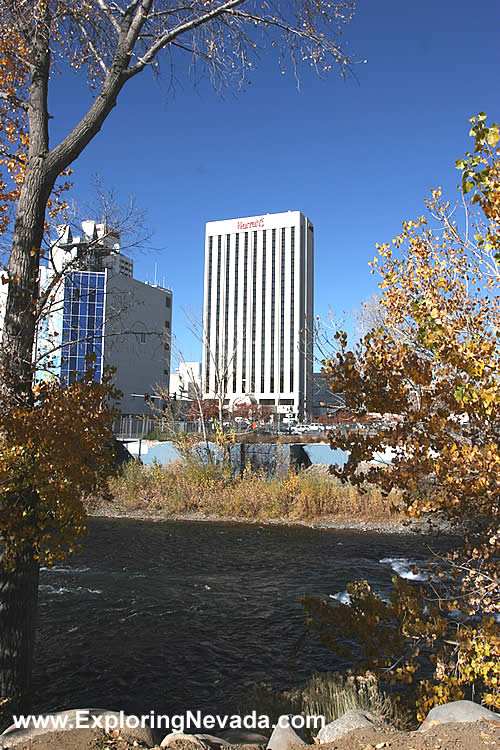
[258,311]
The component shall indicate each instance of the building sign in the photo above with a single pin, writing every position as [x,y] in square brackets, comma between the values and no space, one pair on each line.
[252,224]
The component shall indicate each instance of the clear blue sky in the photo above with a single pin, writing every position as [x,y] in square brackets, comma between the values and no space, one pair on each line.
[357,157]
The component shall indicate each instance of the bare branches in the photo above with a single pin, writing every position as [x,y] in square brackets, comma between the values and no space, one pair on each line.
[108,13]
[184,28]
[14,100]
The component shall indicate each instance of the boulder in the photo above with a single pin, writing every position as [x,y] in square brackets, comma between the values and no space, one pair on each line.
[355,719]
[78,718]
[458,711]
[174,737]
[283,736]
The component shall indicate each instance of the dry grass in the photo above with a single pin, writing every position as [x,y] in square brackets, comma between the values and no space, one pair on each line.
[328,694]
[188,486]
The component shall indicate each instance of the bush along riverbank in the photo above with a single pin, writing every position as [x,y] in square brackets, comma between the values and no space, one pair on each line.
[192,488]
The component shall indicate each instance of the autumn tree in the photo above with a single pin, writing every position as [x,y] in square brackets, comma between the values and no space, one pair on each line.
[433,359]
[112,43]
[53,453]
[252,412]
[206,409]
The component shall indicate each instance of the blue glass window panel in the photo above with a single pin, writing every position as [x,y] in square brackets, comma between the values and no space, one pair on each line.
[82,323]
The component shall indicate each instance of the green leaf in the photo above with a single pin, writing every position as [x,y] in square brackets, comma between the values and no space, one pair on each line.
[483,174]
[467,187]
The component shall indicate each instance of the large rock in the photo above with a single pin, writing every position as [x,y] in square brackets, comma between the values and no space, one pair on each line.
[355,719]
[78,718]
[174,737]
[458,711]
[283,736]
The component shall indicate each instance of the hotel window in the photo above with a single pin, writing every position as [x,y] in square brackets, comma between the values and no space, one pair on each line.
[282,311]
[245,304]
[254,312]
[292,308]
[209,314]
[273,301]
[168,301]
[235,317]
[263,328]
[226,304]
[142,337]
[217,307]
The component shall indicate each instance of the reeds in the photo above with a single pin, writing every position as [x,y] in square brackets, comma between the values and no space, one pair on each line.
[210,488]
[327,694]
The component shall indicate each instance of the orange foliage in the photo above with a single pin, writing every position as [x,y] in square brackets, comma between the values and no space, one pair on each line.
[433,360]
[51,454]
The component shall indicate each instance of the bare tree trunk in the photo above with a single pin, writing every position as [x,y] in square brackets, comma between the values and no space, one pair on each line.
[19,584]
[20,311]
[19,579]
[19,587]
[18,608]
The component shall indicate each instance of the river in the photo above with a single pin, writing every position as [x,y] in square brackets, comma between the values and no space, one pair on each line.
[178,615]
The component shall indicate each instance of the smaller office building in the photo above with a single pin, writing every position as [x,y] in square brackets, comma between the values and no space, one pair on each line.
[99,309]
[185,384]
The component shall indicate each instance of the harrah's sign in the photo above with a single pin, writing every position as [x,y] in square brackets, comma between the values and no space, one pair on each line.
[252,224]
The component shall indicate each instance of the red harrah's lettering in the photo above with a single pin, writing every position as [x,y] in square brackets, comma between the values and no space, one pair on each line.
[253,224]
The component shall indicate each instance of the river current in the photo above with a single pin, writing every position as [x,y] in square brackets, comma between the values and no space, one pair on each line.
[174,615]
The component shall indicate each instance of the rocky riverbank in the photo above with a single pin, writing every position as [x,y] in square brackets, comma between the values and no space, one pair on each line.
[460,725]
[424,526]
[145,514]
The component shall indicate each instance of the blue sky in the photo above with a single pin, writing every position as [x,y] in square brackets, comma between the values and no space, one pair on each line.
[356,156]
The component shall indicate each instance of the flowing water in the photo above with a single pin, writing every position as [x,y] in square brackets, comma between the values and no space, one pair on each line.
[177,615]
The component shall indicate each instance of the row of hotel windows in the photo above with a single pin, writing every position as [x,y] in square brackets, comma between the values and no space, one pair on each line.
[212,355]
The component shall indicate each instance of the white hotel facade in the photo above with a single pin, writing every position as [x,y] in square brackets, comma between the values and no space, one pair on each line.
[258,311]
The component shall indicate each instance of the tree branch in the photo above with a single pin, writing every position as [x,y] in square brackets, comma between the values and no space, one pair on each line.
[14,100]
[169,36]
